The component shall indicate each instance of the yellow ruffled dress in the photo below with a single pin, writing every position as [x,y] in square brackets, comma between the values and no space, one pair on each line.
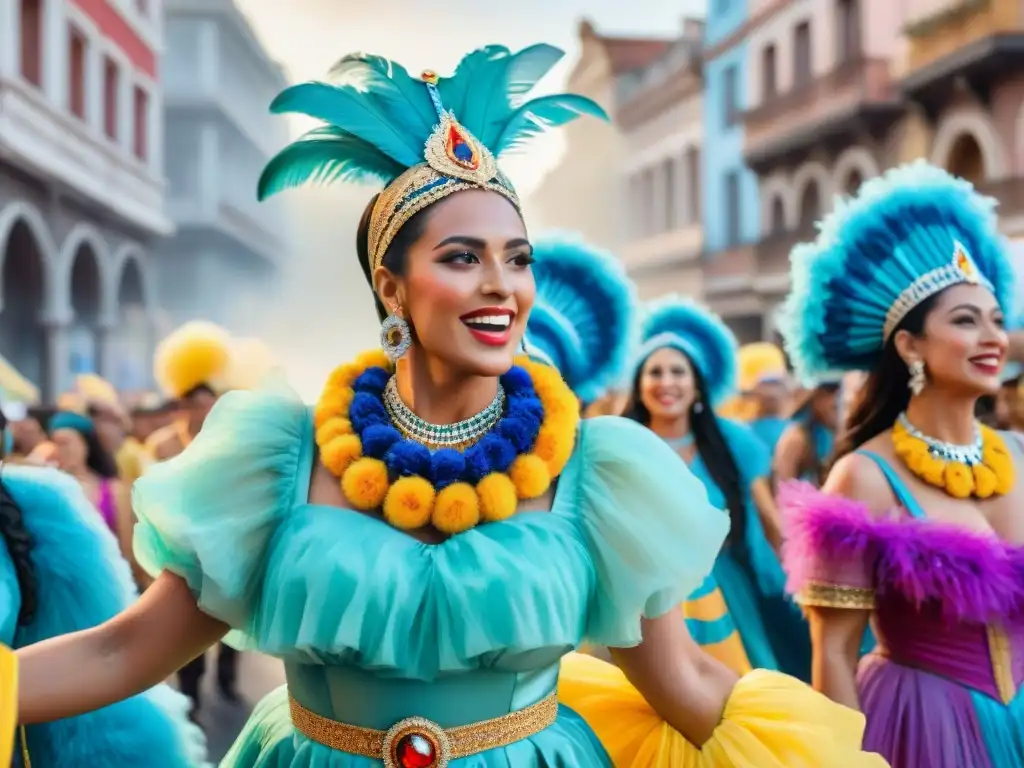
[8,703]
[770,721]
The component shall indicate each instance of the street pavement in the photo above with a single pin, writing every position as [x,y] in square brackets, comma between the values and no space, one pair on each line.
[222,721]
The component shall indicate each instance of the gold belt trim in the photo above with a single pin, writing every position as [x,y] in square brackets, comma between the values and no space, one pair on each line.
[444,744]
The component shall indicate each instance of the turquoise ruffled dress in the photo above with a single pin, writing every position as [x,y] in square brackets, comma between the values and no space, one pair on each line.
[750,575]
[374,626]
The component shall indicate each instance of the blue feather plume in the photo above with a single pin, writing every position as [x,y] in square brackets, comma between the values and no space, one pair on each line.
[584,313]
[680,323]
[869,250]
[379,117]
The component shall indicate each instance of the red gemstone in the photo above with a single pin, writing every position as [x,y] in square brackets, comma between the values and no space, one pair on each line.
[415,751]
[459,150]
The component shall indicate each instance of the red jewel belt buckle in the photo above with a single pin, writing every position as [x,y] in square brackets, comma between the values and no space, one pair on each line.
[416,743]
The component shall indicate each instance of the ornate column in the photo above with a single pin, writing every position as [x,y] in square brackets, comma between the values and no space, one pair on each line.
[57,368]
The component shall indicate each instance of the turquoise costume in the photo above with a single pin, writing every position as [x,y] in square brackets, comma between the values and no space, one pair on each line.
[769,429]
[81,580]
[374,626]
[748,573]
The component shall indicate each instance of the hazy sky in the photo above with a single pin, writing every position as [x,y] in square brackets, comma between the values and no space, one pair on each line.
[324,314]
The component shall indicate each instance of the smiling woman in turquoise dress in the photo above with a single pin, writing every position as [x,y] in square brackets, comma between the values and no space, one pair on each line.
[423,547]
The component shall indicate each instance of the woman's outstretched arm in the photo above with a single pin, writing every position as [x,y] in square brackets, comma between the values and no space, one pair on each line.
[131,653]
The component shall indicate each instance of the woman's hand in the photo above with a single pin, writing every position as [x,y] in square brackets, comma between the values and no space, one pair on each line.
[135,650]
[684,685]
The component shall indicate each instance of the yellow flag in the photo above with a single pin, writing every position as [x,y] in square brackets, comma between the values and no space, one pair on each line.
[8,703]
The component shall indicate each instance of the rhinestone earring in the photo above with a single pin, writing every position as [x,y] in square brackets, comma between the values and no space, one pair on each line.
[917,377]
[698,407]
[395,335]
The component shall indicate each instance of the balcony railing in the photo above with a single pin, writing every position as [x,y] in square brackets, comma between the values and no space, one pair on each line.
[859,80]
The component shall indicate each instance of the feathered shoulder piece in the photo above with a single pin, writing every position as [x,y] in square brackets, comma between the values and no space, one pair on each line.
[700,334]
[908,235]
[584,315]
[423,136]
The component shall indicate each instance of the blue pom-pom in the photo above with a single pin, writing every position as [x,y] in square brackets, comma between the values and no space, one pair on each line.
[477,464]
[527,406]
[499,452]
[406,458]
[520,431]
[515,380]
[366,410]
[372,380]
[378,438]
[447,466]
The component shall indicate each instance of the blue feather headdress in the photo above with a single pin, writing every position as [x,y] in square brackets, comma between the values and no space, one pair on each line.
[583,317]
[697,332]
[907,235]
[424,137]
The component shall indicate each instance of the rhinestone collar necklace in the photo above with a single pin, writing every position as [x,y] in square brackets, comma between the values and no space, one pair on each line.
[459,435]
[969,454]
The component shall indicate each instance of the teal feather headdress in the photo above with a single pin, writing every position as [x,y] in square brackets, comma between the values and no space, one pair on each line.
[424,137]
[697,332]
[583,317]
[907,235]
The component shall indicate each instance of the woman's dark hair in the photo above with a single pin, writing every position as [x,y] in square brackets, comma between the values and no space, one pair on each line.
[711,446]
[98,458]
[885,393]
[394,256]
[19,543]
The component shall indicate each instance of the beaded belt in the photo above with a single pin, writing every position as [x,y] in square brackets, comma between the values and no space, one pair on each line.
[418,743]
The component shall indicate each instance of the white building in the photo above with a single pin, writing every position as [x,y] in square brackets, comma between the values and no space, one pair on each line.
[659,112]
[81,189]
[219,83]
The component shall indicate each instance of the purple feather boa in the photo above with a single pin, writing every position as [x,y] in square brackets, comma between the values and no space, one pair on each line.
[969,576]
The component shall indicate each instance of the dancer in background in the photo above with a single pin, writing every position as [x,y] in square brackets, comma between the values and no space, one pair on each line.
[805,447]
[60,572]
[194,366]
[764,385]
[583,322]
[684,368]
[425,545]
[919,524]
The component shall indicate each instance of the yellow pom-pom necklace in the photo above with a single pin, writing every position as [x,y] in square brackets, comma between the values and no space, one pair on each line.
[981,469]
[451,477]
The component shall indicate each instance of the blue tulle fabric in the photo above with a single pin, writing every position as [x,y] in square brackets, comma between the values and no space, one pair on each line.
[630,533]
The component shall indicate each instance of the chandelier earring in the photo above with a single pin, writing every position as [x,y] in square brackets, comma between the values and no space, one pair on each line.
[395,335]
[917,377]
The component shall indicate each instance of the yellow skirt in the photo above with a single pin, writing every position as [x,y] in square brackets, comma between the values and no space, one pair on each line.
[8,703]
[770,721]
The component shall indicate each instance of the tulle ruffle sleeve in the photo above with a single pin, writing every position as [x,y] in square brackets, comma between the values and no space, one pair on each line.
[770,721]
[208,514]
[652,533]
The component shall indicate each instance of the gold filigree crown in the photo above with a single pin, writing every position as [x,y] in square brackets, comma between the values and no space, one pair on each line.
[454,160]
[960,269]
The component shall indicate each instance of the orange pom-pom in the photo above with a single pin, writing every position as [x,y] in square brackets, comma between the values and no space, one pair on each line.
[338,454]
[409,503]
[374,358]
[365,483]
[333,428]
[497,495]
[333,402]
[959,480]
[530,475]
[985,481]
[554,445]
[343,376]
[456,509]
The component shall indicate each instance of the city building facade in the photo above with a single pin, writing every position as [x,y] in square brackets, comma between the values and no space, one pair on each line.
[962,76]
[584,192]
[659,113]
[81,188]
[219,83]
[731,211]
[824,116]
